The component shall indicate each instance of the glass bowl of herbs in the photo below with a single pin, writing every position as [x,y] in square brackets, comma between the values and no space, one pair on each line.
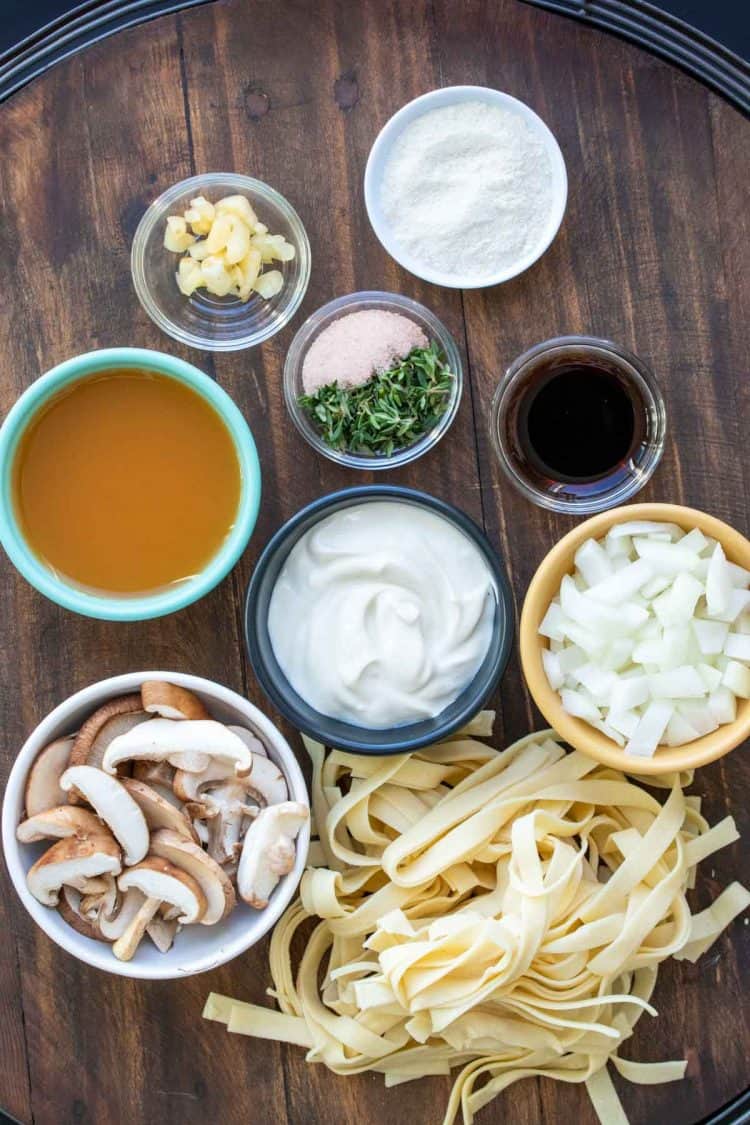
[405,404]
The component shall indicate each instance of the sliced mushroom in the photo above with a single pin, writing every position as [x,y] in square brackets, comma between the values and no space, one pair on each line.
[228,825]
[43,782]
[222,798]
[111,729]
[230,867]
[162,932]
[69,862]
[251,740]
[268,852]
[88,753]
[200,827]
[158,812]
[268,782]
[158,776]
[186,744]
[113,922]
[114,805]
[160,881]
[190,787]
[69,908]
[97,885]
[99,896]
[84,741]
[154,773]
[57,823]
[171,701]
[264,785]
[216,886]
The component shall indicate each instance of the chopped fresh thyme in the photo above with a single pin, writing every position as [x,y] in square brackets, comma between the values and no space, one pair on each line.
[388,412]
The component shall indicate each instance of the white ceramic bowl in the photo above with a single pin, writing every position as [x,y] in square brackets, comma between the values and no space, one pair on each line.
[196,948]
[380,152]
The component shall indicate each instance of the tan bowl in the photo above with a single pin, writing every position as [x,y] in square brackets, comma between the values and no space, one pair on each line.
[546,583]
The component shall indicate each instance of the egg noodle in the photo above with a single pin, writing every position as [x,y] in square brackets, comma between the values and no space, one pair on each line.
[501,911]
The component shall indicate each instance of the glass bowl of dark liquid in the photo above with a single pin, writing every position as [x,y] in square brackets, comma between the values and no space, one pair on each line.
[578,424]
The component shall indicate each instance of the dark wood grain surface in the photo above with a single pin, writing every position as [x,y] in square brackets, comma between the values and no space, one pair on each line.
[653,252]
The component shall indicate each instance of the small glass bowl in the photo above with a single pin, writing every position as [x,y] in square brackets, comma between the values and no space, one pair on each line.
[312,328]
[217,324]
[595,494]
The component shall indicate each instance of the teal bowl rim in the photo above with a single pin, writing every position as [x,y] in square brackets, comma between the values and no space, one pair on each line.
[126,607]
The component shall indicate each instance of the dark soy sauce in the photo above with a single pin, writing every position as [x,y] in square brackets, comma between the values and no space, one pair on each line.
[577,422]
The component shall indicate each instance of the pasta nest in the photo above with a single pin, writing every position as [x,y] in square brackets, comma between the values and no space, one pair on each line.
[505,911]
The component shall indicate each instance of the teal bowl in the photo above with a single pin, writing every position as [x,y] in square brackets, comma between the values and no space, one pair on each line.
[126,607]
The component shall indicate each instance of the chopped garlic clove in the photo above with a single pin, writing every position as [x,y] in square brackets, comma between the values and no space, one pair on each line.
[269,284]
[216,276]
[199,250]
[200,215]
[240,207]
[246,273]
[177,238]
[189,276]
[238,243]
[219,235]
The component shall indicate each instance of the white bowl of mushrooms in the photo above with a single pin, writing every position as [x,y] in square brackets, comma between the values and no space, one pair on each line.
[156,825]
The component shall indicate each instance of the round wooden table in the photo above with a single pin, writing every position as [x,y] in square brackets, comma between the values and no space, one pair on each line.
[651,254]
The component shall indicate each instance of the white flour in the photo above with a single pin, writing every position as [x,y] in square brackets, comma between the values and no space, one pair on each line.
[467,189]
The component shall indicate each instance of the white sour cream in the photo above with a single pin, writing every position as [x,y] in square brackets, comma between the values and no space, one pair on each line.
[382,614]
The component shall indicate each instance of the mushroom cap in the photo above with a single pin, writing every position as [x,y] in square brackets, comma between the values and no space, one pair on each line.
[187,744]
[55,824]
[68,862]
[268,851]
[157,878]
[69,910]
[43,780]
[84,740]
[114,805]
[158,812]
[215,884]
[171,701]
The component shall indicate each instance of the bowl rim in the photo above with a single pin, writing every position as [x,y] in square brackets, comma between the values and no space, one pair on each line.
[325,315]
[112,607]
[417,107]
[98,955]
[280,695]
[579,734]
[154,214]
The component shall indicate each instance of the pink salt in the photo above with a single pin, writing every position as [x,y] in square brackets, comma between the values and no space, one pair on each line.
[356,346]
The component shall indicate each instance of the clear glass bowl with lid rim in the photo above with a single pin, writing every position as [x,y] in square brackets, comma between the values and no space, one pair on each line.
[203,321]
[358,302]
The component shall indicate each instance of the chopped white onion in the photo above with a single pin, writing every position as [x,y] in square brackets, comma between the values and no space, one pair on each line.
[651,726]
[649,637]
[718,583]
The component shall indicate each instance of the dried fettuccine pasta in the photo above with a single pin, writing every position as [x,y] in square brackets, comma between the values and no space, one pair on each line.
[504,912]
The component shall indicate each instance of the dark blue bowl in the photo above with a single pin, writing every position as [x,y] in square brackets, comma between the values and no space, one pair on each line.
[334,732]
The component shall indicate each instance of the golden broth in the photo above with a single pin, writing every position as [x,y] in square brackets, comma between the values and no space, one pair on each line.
[126,482]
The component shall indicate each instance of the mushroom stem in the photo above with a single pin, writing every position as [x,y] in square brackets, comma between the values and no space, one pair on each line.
[126,945]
